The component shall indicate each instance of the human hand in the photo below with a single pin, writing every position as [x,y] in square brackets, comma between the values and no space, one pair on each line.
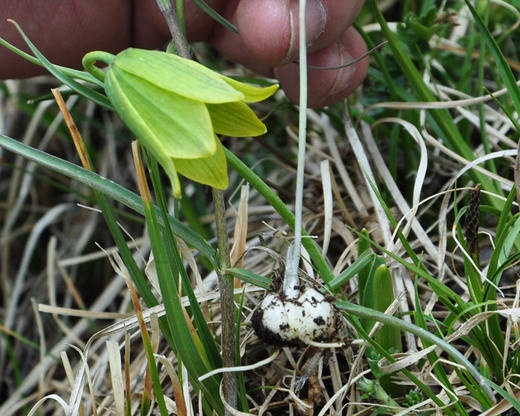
[268,41]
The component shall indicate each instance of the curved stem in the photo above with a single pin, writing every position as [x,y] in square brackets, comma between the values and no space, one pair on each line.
[256,182]
[90,59]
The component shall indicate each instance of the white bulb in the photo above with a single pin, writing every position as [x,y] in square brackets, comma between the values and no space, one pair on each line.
[310,317]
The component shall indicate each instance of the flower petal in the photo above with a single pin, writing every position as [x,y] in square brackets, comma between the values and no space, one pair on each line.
[168,165]
[164,122]
[210,171]
[178,75]
[252,94]
[235,119]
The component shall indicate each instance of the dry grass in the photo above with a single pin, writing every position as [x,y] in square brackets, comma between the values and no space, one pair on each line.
[61,292]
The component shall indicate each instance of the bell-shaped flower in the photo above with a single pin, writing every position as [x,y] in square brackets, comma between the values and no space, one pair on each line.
[176,106]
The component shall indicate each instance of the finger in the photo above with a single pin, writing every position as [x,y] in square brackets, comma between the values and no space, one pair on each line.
[150,29]
[269,28]
[326,87]
[65,30]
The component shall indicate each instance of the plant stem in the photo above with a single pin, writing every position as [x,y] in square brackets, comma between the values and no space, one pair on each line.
[290,284]
[225,280]
[256,182]
[168,10]
[226,299]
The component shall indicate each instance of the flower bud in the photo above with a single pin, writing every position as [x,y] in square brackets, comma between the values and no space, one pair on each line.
[175,107]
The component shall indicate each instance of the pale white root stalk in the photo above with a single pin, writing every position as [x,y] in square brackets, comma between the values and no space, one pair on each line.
[290,284]
[298,314]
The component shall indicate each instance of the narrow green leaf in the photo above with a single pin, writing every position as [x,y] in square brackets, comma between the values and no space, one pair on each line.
[513,400]
[154,373]
[502,231]
[384,353]
[433,357]
[505,70]
[54,70]
[361,311]
[214,15]
[250,277]
[135,272]
[364,260]
[73,73]
[182,338]
[200,322]
[106,186]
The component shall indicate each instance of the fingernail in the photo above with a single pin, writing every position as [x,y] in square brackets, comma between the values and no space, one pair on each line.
[315,21]
[344,75]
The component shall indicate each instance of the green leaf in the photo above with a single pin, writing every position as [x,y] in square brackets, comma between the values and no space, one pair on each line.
[106,186]
[166,123]
[175,74]
[235,120]
[500,61]
[212,13]
[184,343]
[209,171]
[364,260]
[250,277]
[174,256]
[62,76]
[73,73]
[388,337]
[426,336]
[252,94]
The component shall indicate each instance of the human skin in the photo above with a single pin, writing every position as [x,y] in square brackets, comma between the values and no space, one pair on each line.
[64,30]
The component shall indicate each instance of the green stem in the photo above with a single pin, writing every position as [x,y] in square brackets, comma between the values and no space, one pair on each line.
[225,280]
[254,180]
[90,59]
[226,299]
[179,9]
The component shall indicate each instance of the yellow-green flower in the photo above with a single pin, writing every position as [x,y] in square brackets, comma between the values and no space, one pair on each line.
[176,106]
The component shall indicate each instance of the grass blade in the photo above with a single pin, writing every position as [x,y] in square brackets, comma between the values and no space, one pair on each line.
[62,76]
[361,311]
[214,15]
[105,186]
[500,61]
[442,118]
